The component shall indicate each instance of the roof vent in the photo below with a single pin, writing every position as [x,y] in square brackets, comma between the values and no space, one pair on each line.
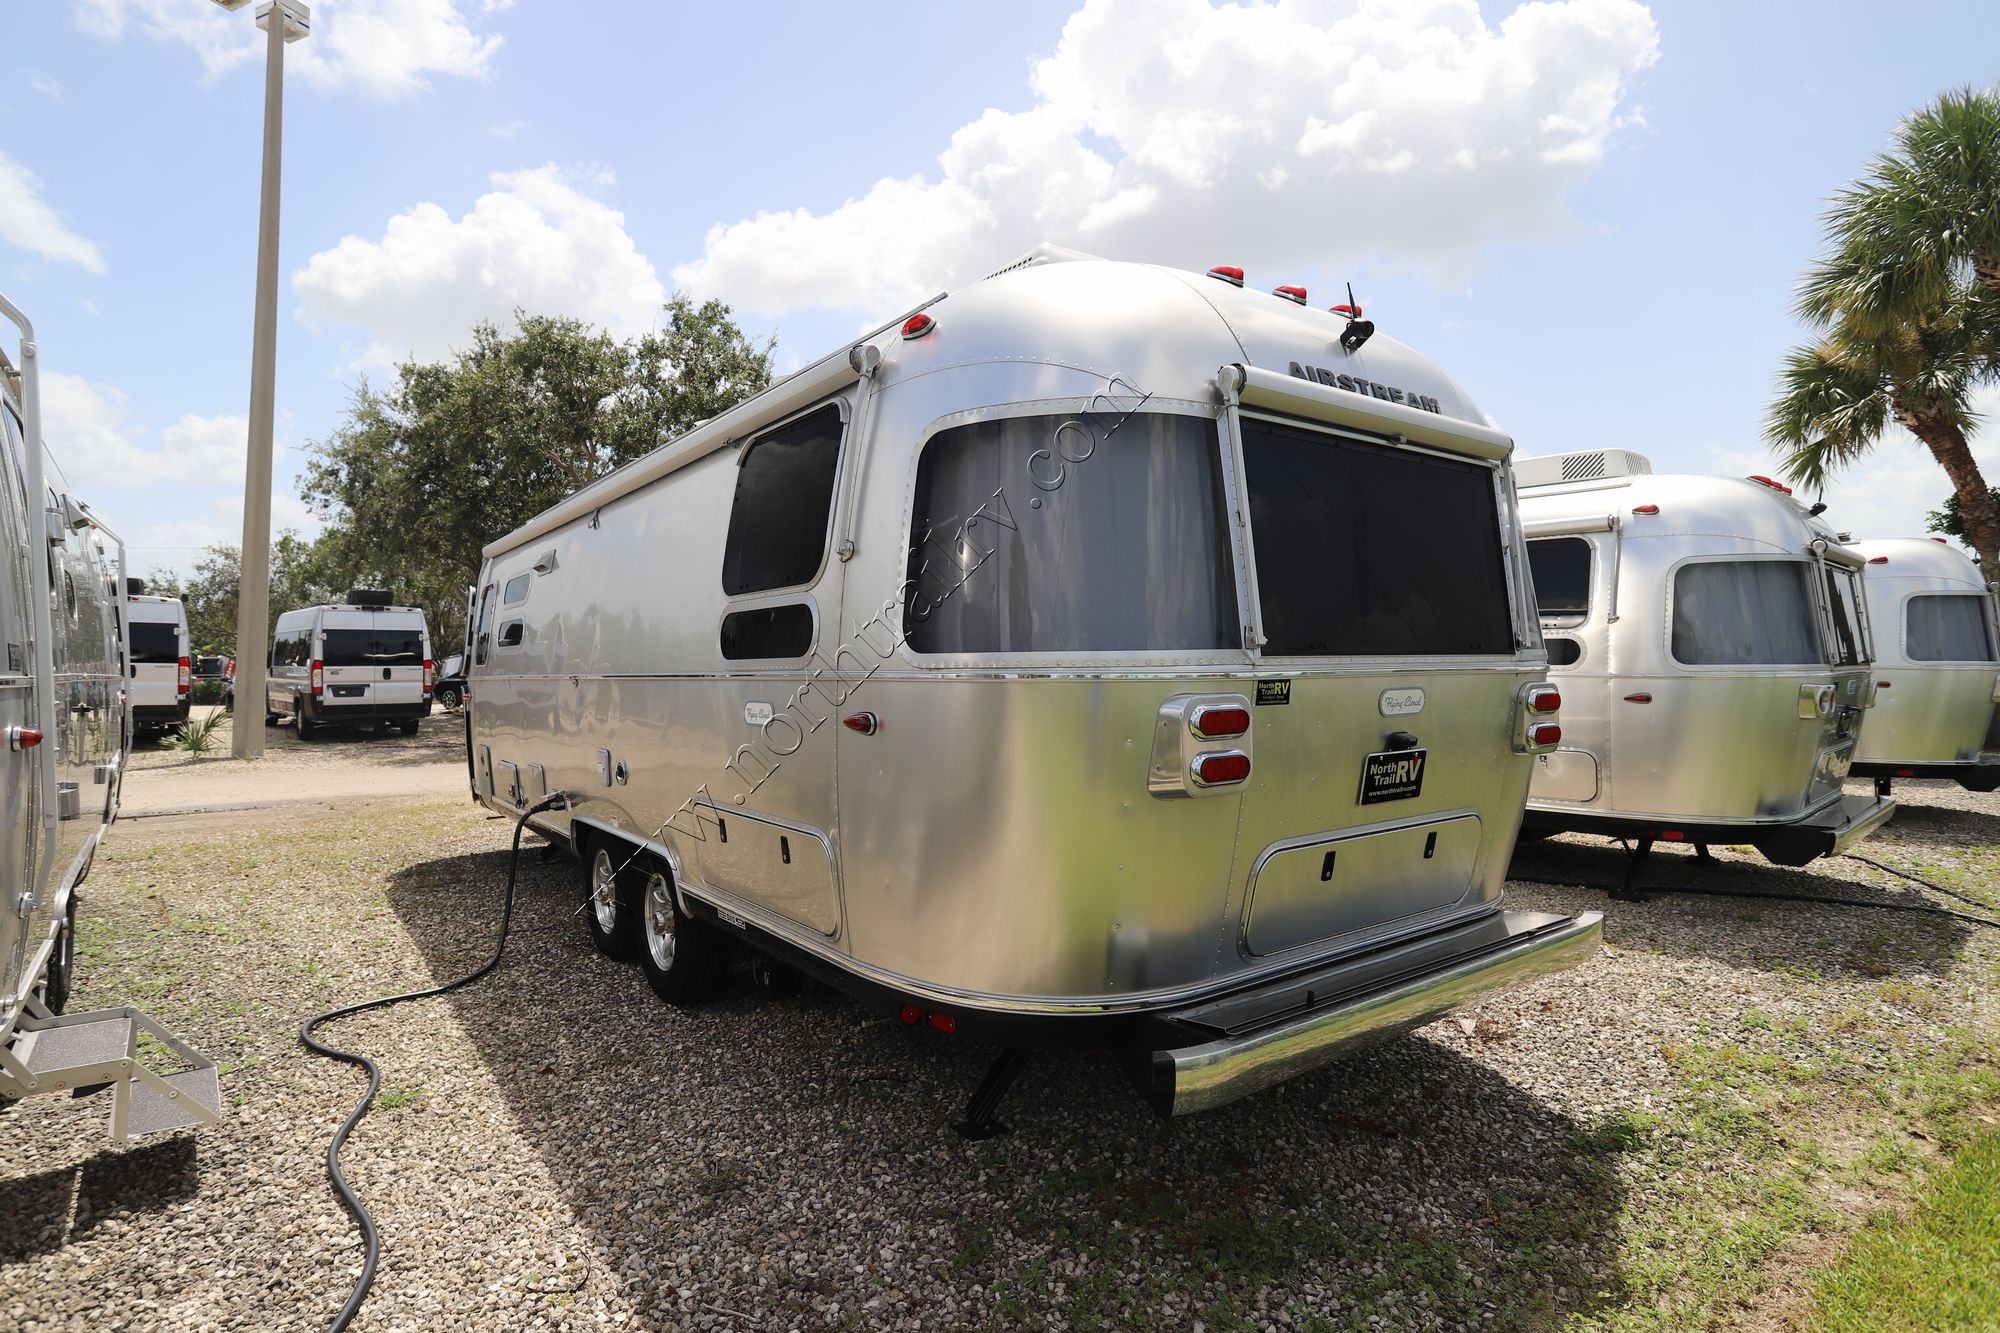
[367,597]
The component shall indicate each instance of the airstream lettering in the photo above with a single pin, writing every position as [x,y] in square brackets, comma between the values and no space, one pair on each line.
[1713,652]
[1937,666]
[1125,607]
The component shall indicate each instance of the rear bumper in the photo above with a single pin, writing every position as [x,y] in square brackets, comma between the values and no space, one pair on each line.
[1981,774]
[1254,1039]
[1829,832]
[149,713]
[332,712]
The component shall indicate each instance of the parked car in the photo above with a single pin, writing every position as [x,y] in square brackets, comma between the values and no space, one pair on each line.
[449,692]
[360,661]
[161,671]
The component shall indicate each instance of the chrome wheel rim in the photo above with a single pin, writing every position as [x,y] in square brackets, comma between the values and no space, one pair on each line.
[660,921]
[604,892]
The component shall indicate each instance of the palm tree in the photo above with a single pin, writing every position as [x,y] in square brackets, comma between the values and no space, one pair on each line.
[1907,304]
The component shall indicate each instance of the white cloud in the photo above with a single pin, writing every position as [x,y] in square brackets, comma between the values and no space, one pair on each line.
[27,221]
[385,48]
[1269,134]
[1892,492]
[45,85]
[507,129]
[177,543]
[85,425]
[536,242]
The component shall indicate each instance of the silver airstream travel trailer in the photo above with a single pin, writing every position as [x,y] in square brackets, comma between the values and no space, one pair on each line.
[1937,666]
[66,729]
[1104,653]
[1712,648]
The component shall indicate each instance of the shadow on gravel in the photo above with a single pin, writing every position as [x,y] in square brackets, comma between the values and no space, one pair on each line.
[44,1212]
[1762,931]
[792,1157]
[1917,817]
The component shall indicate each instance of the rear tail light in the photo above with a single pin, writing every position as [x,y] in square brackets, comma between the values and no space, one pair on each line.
[430,674]
[1542,735]
[1544,699]
[944,1023]
[1220,769]
[318,678]
[23,738]
[187,677]
[1219,722]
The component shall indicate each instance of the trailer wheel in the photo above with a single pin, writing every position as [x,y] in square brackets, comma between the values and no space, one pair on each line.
[608,901]
[681,956]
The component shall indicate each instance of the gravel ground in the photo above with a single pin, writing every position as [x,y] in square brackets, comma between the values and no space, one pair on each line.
[557,1150]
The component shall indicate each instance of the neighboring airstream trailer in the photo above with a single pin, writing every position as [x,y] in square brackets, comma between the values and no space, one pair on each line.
[1937,666]
[1176,644]
[65,732]
[1712,648]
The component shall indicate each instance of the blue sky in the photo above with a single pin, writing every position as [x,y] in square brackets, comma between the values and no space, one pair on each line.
[1591,212]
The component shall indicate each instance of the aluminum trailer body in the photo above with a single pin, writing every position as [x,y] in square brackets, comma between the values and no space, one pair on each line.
[1711,643]
[1937,665]
[65,733]
[1103,654]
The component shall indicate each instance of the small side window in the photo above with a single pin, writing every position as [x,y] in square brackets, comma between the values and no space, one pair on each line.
[516,590]
[1561,569]
[768,632]
[510,633]
[1564,651]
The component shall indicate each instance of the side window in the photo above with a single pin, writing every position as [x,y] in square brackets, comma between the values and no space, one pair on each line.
[1743,613]
[1561,568]
[1564,651]
[484,641]
[510,633]
[1949,627]
[784,499]
[1845,643]
[768,632]
[516,590]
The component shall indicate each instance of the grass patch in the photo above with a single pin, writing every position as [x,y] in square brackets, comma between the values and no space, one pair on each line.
[1933,1267]
[397,1098]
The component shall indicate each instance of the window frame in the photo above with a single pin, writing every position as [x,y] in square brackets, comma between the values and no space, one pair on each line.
[842,461]
[1054,409]
[1814,612]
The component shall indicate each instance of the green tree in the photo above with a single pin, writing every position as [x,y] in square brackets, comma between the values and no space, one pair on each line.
[420,476]
[298,578]
[1907,307]
[1948,522]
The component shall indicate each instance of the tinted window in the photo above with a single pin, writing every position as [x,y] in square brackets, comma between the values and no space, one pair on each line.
[372,647]
[483,639]
[1561,566]
[1846,645]
[1743,613]
[155,642]
[1564,651]
[768,631]
[1949,627]
[516,590]
[784,496]
[1364,550]
[1127,552]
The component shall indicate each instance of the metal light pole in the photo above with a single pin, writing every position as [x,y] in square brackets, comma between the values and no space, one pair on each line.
[285,21]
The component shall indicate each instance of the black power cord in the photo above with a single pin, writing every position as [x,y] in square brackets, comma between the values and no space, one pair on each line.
[359,1210]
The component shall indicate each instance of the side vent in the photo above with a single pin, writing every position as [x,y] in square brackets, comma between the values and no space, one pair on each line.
[1589,465]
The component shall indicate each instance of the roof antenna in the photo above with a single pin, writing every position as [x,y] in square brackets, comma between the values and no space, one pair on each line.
[1358,330]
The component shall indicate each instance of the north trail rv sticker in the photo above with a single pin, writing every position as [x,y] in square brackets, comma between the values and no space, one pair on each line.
[1274,692]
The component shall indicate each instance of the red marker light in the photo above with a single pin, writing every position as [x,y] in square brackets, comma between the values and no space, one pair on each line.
[23,738]
[911,1015]
[1774,485]
[865,723]
[1351,311]
[1878,559]
[944,1023]
[1940,541]
[1220,769]
[1296,295]
[1638,698]
[1229,273]
[1544,733]
[1645,509]
[916,326]
[1544,699]
[1672,835]
[1219,723]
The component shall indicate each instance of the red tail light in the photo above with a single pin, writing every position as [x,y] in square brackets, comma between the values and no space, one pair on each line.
[1219,722]
[1542,734]
[1220,769]
[944,1023]
[430,674]
[23,738]
[1544,699]
[187,675]
[318,678]
[911,1015]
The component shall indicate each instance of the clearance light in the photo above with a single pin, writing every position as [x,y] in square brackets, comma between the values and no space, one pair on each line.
[1774,485]
[23,738]
[1878,559]
[944,1023]
[916,326]
[1351,311]
[1544,733]
[1544,699]
[1940,541]
[1220,769]
[1296,295]
[1645,509]
[1638,698]
[318,678]
[1672,835]
[1229,273]
[1219,723]
[865,723]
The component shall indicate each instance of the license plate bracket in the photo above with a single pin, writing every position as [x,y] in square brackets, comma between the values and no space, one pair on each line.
[1392,775]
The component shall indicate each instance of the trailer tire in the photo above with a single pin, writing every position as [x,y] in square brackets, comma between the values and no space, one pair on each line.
[610,898]
[682,957]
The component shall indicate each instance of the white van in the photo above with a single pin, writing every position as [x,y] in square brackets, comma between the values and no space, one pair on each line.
[361,660]
[156,629]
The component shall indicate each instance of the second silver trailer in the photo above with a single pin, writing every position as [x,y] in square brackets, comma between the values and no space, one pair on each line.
[1712,648]
[1103,653]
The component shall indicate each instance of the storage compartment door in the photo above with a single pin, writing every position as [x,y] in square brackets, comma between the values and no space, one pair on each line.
[1314,889]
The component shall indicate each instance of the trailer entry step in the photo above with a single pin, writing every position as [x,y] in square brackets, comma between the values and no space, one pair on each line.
[53,1053]
[85,1052]
[195,1099]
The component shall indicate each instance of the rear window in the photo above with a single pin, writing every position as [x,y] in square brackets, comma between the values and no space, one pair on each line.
[1128,552]
[1561,567]
[1743,613]
[1949,627]
[1364,550]
[372,647]
[155,642]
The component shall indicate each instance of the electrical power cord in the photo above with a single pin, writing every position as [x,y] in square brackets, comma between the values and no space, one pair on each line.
[362,1217]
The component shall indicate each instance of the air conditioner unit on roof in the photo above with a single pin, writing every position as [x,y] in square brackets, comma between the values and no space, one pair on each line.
[1591,465]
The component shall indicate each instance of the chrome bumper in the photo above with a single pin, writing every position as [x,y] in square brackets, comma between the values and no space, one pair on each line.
[1426,980]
